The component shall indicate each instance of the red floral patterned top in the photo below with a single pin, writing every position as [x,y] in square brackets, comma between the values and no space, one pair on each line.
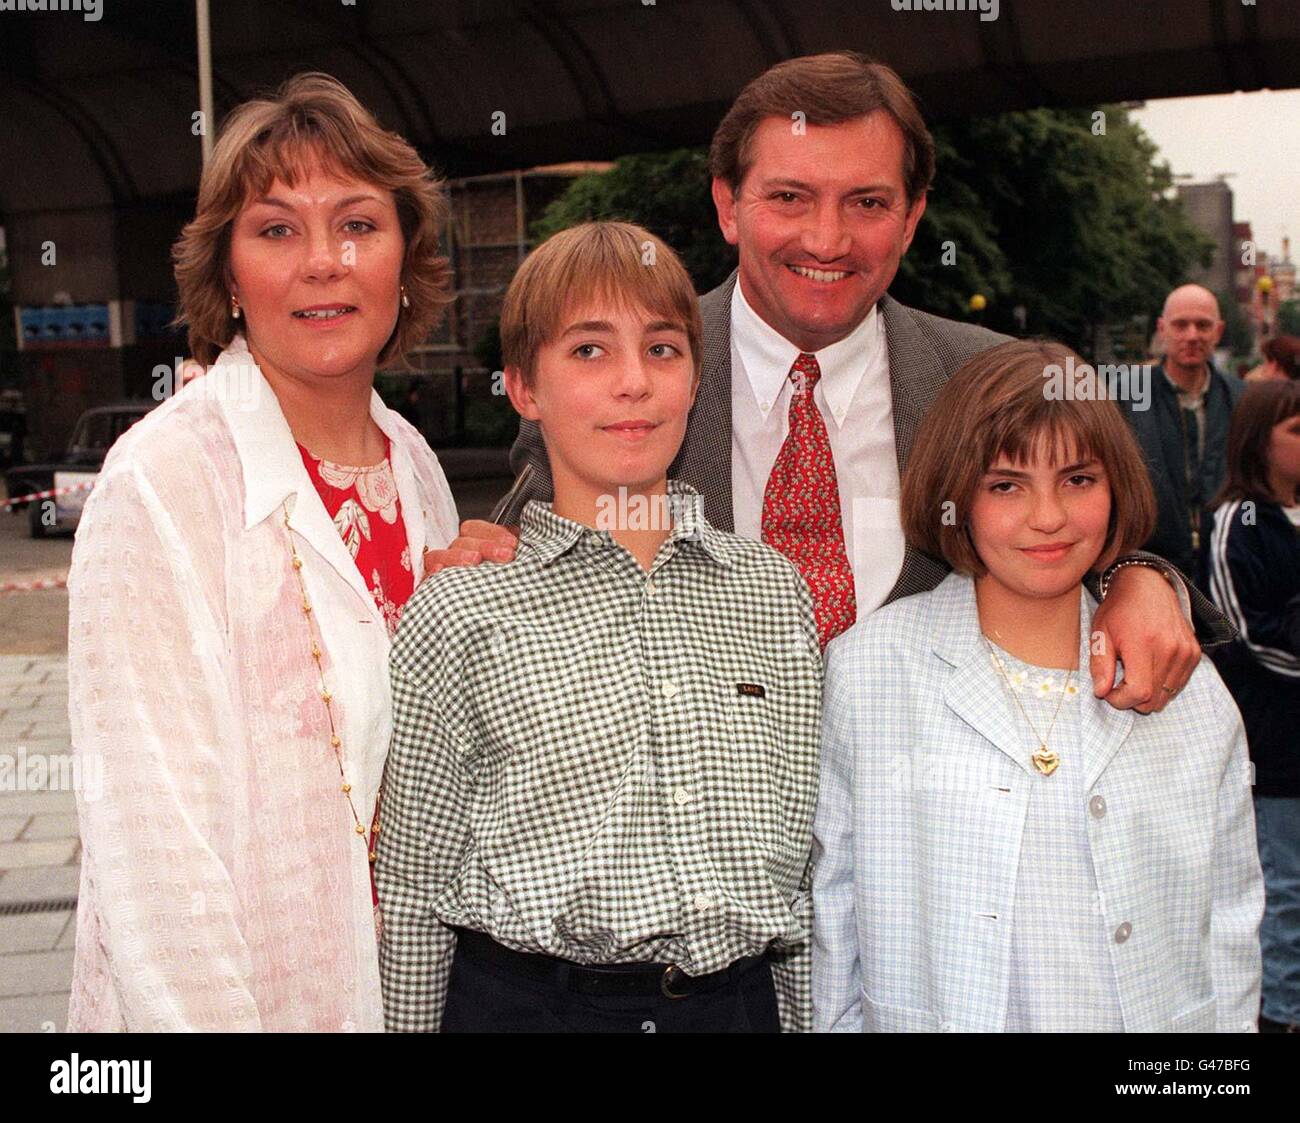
[364,506]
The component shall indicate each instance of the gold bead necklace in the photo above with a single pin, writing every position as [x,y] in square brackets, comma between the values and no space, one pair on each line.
[336,743]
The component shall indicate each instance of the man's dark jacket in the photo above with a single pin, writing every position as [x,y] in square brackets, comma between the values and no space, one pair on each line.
[1159,430]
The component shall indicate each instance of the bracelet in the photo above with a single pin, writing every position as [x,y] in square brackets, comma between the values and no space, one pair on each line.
[1109,574]
[1180,591]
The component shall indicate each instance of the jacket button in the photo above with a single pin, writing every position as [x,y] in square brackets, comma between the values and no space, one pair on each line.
[1123,932]
[1097,807]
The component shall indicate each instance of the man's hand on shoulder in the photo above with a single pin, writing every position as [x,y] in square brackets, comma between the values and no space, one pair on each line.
[478,541]
[1141,624]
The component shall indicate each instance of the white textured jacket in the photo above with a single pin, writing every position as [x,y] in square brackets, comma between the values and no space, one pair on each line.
[924,794]
[223,884]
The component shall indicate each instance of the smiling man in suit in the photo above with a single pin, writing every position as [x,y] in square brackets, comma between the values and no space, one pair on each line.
[815,379]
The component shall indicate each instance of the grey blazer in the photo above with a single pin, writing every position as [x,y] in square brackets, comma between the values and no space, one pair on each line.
[924,352]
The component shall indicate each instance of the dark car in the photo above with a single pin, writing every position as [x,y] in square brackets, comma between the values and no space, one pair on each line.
[95,432]
[13,428]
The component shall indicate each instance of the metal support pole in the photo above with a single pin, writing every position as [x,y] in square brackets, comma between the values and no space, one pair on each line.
[205,76]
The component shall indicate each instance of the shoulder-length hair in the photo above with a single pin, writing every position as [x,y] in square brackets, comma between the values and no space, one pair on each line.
[311,118]
[1260,407]
[999,403]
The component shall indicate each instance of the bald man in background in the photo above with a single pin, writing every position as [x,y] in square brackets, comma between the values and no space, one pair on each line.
[1184,433]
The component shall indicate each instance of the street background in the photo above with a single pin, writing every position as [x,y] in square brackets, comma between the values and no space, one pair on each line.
[39,850]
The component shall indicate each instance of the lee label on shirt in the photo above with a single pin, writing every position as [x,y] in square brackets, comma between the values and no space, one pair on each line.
[751,690]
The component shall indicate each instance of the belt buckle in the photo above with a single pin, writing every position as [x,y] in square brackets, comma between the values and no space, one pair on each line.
[665,981]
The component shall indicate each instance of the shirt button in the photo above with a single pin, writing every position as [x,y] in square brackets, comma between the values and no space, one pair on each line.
[668,689]
[682,796]
[650,586]
[764,406]
[946,1027]
[1123,932]
[1097,807]
[703,901]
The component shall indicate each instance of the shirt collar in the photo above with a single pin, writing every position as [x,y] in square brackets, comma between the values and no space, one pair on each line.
[1189,398]
[269,459]
[551,535]
[767,356]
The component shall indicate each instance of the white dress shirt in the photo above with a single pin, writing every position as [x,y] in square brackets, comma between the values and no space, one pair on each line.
[854,398]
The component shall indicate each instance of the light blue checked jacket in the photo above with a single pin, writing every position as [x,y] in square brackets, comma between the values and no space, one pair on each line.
[924,793]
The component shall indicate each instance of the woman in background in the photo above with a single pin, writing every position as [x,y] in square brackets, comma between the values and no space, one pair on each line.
[1281,360]
[1252,570]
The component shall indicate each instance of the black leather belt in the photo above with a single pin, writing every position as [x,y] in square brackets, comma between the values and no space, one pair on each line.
[629,980]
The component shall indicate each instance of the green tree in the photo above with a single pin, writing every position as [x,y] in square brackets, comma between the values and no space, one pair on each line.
[1032,209]
[1074,225]
[1288,317]
[667,193]
[1237,336]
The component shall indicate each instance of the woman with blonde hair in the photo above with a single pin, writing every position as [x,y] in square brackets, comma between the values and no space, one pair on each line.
[236,581]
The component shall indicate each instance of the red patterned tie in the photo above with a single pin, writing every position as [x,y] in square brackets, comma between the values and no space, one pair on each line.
[801,507]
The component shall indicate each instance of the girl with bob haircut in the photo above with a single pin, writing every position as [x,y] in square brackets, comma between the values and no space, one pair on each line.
[1252,570]
[997,849]
[237,577]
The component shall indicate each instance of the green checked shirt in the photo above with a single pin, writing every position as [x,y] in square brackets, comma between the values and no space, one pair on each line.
[603,764]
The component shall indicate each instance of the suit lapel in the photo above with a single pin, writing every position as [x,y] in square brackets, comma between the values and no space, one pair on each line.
[1102,728]
[916,375]
[1169,433]
[973,692]
[976,693]
[271,466]
[704,460]
[308,518]
[414,516]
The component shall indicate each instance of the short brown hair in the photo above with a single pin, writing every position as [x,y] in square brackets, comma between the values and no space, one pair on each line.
[617,262]
[1285,351]
[311,117]
[1260,407]
[997,404]
[827,89]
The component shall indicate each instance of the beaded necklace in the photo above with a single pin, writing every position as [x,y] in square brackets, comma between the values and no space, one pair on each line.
[336,742]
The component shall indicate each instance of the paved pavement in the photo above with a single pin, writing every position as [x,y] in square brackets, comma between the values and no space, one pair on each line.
[39,850]
[39,847]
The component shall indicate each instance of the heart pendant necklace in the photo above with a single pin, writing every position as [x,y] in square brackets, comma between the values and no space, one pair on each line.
[1045,760]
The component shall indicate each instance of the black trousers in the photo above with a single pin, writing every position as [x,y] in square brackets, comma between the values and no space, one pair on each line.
[485,998]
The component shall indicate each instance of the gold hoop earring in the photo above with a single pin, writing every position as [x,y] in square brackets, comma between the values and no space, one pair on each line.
[406,300]
[234,306]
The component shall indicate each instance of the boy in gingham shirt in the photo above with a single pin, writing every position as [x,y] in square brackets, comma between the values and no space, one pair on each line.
[598,800]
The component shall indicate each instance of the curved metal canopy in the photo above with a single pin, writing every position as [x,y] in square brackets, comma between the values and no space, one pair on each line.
[99,112]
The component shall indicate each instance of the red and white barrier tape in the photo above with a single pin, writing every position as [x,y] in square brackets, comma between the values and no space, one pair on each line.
[50,494]
[60,582]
